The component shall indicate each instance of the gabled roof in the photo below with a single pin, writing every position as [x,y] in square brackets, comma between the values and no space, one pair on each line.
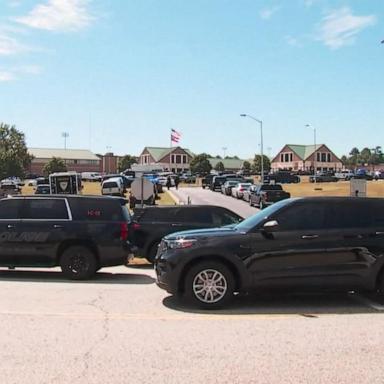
[228,163]
[304,151]
[66,154]
[159,152]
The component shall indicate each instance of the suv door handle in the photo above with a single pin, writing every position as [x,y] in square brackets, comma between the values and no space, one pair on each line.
[309,237]
[10,226]
[57,226]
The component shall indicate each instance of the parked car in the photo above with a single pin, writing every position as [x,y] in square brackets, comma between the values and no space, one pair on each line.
[9,189]
[323,178]
[226,188]
[91,176]
[264,195]
[239,189]
[300,244]
[362,174]
[113,186]
[344,175]
[377,175]
[43,189]
[153,223]
[217,182]
[81,234]
[282,178]
[207,180]
[188,178]
[127,181]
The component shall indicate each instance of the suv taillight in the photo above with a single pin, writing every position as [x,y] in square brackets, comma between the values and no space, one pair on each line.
[135,226]
[123,231]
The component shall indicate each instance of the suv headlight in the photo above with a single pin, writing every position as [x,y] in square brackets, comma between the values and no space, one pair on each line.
[180,243]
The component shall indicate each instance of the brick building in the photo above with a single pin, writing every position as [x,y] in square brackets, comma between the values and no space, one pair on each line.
[295,157]
[78,160]
[176,159]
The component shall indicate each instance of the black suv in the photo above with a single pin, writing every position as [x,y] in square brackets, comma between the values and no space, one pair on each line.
[78,233]
[151,224]
[332,243]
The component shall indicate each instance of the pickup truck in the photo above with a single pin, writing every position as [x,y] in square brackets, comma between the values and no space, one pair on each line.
[281,177]
[263,195]
[323,178]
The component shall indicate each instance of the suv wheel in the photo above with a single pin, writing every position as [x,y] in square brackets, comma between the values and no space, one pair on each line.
[209,285]
[152,253]
[78,263]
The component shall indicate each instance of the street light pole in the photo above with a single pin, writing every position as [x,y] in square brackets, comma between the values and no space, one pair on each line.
[261,143]
[314,153]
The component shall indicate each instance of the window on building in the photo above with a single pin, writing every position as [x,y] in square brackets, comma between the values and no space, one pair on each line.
[291,157]
[282,157]
[178,159]
[328,157]
[286,155]
[318,156]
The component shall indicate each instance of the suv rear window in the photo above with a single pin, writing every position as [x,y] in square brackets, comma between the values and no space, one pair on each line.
[110,184]
[45,209]
[97,209]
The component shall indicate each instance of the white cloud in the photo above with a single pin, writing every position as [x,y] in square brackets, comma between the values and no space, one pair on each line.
[339,27]
[293,41]
[6,76]
[9,45]
[59,15]
[267,13]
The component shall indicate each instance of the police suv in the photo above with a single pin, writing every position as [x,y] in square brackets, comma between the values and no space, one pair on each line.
[81,234]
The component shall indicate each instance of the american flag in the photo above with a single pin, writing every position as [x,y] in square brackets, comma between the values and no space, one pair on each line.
[175,136]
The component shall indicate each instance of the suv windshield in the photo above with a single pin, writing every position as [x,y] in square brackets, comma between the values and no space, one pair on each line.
[255,220]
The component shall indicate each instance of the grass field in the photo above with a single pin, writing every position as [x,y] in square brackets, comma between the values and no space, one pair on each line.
[305,188]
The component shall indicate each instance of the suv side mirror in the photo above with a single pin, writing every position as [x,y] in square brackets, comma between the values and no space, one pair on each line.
[271,226]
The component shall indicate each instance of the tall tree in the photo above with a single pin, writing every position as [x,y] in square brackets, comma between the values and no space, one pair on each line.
[219,167]
[200,164]
[246,166]
[256,166]
[54,165]
[126,162]
[365,156]
[14,156]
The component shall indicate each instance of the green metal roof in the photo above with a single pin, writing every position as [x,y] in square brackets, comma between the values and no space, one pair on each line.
[159,152]
[228,163]
[304,151]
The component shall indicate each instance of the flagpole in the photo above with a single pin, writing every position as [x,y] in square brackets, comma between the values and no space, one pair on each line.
[170,150]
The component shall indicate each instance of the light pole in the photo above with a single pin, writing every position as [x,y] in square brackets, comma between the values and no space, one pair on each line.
[65,135]
[261,143]
[224,151]
[314,153]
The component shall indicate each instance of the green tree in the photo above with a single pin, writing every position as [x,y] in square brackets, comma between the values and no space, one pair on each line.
[200,164]
[54,165]
[365,156]
[14,156]
[256,166]
[219,167]
[126,162]
[246,166]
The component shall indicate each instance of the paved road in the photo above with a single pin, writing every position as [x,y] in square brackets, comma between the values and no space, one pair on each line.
[205,196]
[120,328]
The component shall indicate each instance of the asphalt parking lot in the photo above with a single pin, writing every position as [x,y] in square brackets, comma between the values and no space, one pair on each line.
[198,195]
[121,328]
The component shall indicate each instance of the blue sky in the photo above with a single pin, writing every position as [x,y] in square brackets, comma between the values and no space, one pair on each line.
[119,74]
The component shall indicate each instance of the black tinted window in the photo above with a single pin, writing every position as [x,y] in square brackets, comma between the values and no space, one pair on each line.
[357,213]
[302,217]
[194,215]
[156,214]
[9,209]
[97,209]
[221,218]
[45,209]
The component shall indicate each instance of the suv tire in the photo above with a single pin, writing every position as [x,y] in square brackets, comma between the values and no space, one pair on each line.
[209,285]
[78,263]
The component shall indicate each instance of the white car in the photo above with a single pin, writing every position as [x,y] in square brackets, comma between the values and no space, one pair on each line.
[344,175]
[113,186]
[238,191]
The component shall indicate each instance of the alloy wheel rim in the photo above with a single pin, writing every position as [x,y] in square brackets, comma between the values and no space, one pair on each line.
[78,264]
[209,286]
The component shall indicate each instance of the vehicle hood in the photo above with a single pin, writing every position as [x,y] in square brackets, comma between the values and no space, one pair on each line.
[202,233]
